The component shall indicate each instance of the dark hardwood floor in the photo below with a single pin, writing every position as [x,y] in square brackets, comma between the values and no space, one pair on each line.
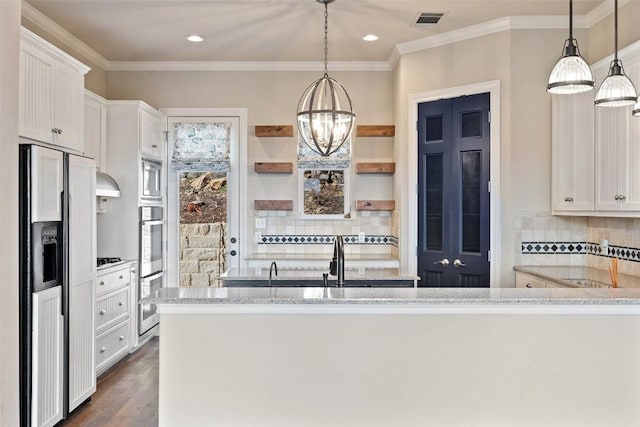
[126,395]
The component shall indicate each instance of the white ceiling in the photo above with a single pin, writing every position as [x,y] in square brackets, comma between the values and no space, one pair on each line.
[275,30]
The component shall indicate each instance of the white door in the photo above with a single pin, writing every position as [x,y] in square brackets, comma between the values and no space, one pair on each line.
[201,265]
[47,354]
[82,279]
[46,184]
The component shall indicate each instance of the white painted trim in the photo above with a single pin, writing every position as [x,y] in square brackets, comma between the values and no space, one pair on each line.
[366,309]
[30,13]
[409,242]
[246,66]
[243,116]
[27,36]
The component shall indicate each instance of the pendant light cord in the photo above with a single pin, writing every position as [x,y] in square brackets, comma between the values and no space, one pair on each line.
[616,31]
[326,38]
[570,19]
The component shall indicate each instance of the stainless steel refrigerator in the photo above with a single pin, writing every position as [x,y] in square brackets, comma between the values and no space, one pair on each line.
[57,283]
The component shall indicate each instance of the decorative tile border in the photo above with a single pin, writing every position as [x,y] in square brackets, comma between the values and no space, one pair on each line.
[321,239]
[553,248]
[580,248]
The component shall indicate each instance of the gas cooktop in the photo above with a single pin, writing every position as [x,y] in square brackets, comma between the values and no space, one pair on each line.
[106,262]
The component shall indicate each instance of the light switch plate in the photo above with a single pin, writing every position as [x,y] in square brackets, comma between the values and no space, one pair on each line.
[261,223]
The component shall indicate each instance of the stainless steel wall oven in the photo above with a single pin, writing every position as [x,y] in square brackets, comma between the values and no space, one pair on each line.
[151,263]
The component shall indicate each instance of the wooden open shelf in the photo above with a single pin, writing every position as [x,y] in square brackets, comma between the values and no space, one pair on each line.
[276,131]
[273,167]
[375,205]
[273,205]
[375,130]
[376,167]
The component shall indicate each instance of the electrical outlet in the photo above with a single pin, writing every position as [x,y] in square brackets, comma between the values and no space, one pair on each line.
[261,223]
[257,236]
[361,237]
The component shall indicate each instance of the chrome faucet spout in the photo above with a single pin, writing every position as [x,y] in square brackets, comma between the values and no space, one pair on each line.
[336,267]
[272,268]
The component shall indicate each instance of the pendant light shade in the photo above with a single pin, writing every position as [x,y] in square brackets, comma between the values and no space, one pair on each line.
[325,112]
[617,90]
[571,74]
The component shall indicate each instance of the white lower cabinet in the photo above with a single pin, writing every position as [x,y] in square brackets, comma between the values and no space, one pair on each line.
[115,312]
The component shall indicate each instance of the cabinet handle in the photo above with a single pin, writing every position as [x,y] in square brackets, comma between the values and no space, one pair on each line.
[528,285]
[154,146]
[103,349]
[59,131]
[120,303]
[120,277]
[102,312]
[568,199]
[121,337]
[102,283]
[133,271]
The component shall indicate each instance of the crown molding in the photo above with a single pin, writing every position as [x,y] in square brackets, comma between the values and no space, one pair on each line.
[601,11]
[246,66]
[489,27]
[43,22]
[629,55]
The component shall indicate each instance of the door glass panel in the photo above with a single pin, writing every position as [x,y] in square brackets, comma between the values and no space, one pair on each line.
[471,124]
[434,130]
[434,201]
[203,228]
[471,170]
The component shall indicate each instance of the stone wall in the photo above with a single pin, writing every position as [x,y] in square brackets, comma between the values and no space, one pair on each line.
[202,253]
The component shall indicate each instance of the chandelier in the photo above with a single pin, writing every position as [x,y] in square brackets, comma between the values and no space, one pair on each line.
[325,112]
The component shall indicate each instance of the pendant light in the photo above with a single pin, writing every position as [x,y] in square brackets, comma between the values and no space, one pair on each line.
[616,90]
[571,74]
[325,112]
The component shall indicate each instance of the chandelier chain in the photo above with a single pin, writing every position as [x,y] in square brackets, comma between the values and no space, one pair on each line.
[326,38]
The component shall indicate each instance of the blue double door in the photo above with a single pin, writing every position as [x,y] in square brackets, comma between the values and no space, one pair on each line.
[453,192]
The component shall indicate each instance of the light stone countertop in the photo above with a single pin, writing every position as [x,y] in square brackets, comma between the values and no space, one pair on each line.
[396,296]
[594,277]
[359,274]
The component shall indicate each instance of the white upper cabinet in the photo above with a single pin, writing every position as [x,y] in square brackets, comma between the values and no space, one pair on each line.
[572,153]
[151,134]
[95,129]
[51,94]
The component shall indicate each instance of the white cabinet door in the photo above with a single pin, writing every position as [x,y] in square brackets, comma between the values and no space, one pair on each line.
[68,107]
[95,129]
[612,140]
[573,152]
[36,94]
[47,358]
[151,135]
[82,279]
[46,184]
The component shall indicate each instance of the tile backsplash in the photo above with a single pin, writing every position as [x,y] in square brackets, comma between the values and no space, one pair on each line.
[543,239]
[286,233]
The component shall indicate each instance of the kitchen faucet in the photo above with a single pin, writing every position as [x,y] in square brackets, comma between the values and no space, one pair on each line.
[336,267]
[273,266]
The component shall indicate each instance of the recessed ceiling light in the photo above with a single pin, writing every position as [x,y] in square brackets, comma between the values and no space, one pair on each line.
[194,38]
[370,38]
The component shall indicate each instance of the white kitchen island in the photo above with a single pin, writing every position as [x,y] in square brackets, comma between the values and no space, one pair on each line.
[399,357]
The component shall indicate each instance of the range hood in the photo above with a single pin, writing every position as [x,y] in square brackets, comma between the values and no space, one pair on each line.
[106,186]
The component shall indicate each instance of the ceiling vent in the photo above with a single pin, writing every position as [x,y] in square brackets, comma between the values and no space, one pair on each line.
[429,19]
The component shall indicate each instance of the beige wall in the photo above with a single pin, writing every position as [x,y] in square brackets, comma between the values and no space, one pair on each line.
[601,34]
[9,60]
[95,80]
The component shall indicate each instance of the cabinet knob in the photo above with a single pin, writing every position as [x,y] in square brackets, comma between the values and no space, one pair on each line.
[103,349]
[120,277]
[120,303]
[155,146]
[102,283]
[623,197]
[102,312]
[121,337]
[133,271]
[529,285]
[568,199]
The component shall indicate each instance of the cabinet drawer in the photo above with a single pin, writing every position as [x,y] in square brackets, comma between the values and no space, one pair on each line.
[112,309]
[112,281]
[112,346]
